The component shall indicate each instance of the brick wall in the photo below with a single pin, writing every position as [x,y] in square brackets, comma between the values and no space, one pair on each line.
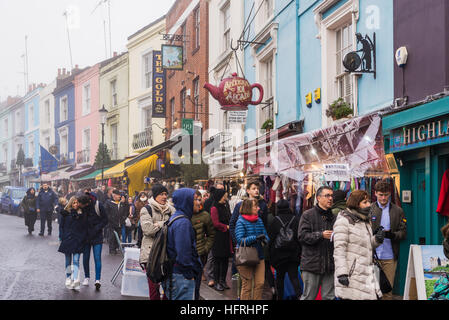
[195,67]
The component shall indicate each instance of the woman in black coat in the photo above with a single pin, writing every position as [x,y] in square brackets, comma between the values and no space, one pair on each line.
[73,240]
[285,257]
[29,209]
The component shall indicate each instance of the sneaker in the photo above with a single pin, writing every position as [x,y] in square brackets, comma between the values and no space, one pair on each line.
[211,283]
[76,285]
[68,283]
[41,234]
[218,287]
[235,276]
[86,282]
[97,284]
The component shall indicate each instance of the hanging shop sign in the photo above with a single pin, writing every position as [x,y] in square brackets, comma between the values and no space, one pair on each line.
[159,86]
[237,117]
[235,93]
[172,57]
[366,62]
[418,135]
[187,125]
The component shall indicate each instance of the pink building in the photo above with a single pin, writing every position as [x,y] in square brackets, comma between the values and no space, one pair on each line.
[87,117]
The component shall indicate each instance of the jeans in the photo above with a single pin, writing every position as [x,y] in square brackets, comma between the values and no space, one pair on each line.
[72,269]
[97,257]
[45,216]
[181,288]
[126,234]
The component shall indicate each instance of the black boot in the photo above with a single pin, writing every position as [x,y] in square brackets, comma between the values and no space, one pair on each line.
[224,284]
[218,287]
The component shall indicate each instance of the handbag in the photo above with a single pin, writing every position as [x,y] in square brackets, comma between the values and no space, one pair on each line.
[128,223]
[381,277]
[246,256]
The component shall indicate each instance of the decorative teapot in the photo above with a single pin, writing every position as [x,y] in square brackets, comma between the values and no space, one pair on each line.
[235,93]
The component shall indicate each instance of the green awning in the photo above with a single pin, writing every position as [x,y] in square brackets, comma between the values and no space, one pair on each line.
[91,175]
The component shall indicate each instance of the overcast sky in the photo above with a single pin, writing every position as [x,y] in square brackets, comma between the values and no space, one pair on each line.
[43,23]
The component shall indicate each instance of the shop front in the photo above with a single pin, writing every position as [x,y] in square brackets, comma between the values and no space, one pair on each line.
[419,140]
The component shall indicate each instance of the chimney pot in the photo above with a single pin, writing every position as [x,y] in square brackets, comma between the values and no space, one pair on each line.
[63,71]
[59,72]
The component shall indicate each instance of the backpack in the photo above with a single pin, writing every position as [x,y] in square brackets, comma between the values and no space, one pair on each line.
[285,237]
[149,209]
[441,288]
[159,265]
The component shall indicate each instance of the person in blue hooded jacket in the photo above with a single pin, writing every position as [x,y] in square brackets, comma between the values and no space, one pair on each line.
[181,247]
[45,203]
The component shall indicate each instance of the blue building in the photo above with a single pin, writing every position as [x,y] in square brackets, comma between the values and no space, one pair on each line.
[32,123]
[297,51]
[64,95]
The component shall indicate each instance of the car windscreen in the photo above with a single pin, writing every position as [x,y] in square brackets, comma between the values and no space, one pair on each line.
[18,194]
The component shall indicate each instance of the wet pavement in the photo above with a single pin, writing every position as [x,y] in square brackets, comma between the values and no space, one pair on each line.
[31,268]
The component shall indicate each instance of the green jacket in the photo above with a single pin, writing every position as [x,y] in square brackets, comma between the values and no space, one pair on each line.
[338,206]
[205,232]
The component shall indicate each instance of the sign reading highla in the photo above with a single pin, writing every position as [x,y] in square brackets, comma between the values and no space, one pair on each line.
[430,132]
[159,86]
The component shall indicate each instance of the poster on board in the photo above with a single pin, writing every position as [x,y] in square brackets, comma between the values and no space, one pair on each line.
[425,266]
[172,57]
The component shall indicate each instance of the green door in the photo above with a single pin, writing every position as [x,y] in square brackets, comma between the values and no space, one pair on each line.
[413,178]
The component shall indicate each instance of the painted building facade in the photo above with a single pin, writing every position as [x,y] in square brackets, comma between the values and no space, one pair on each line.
[47,115]
[226,22]
[144,130]
[114,89]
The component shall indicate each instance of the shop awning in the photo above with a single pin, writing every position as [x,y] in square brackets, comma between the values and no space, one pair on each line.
[114,172]
[91,175]
[357,143]
[54,175]
[138,171]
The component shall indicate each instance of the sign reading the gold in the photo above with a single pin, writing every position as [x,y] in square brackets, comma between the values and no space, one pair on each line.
[428,133]
[159,86]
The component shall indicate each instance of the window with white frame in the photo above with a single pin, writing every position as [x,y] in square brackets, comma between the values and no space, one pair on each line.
[64,146]
[268,8]
[226,19]
[114,141]
[196,21]
[63,109]
[86,99]
[196,98]
[147,117]
[114,101]
[267,110]
[172,108]
[18,123]
[343,81]
[183,103]
[47,142]
[147,70]
[31,148]
[31,116]
[265,13]
[5,122]
[86,145]
[47,111]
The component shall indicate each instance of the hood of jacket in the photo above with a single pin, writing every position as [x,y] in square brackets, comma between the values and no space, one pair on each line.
[183,201]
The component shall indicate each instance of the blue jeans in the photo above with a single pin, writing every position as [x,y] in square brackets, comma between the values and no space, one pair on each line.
[72,269]
[97,257]
[126,235]
[181,288]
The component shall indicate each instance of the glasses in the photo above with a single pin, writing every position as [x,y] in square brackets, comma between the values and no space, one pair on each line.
[328,196]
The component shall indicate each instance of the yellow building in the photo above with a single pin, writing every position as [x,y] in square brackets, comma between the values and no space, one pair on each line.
[144,130]
[114,96]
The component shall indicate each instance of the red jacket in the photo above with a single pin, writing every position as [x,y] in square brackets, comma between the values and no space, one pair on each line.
[443,201]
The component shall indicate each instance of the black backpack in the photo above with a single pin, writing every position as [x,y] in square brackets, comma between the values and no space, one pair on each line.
[285,238]
[159,266]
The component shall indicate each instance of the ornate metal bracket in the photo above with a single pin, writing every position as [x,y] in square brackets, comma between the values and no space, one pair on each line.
[366,62]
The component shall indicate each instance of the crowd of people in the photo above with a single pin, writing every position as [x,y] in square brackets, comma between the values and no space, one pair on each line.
[331,249]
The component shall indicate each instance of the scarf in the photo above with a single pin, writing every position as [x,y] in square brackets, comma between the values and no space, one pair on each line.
[159,207]
[250,218]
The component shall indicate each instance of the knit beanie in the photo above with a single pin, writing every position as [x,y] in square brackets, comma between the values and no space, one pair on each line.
[283,207]
[158,189]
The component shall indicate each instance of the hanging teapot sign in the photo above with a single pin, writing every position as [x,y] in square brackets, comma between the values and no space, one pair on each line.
[235,93]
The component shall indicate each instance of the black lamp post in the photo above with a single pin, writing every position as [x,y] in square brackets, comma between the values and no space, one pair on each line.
[103,113]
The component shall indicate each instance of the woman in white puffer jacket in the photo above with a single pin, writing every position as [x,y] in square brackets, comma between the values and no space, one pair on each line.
[353,251]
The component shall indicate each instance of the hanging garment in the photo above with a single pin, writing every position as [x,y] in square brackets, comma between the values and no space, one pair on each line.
[261,186]
[309,187]
[357,183]
[285,187]
[363,184]
[443,201]
[337,185]
[269,185]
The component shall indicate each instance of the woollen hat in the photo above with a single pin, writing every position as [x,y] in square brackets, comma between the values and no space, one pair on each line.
[283,207]
[158,189]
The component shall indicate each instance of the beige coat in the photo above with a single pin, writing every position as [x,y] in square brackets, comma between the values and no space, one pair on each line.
[151,225]
[353,256]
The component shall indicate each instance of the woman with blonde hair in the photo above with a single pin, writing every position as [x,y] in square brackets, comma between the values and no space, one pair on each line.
[73,228]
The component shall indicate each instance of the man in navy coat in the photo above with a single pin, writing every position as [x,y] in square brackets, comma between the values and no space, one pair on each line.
[45,204]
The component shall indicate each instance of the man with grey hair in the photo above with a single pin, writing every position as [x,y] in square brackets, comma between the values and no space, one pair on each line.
[317,257]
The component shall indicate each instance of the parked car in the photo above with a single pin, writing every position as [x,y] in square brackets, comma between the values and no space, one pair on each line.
[11,198]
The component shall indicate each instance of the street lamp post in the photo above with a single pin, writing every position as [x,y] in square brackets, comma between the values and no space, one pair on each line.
[103,113]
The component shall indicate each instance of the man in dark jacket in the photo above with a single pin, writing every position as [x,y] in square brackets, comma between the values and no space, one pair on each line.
[97,220]
[386,214]
[317,257]
[45,204]
[112,208]
[181,246]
